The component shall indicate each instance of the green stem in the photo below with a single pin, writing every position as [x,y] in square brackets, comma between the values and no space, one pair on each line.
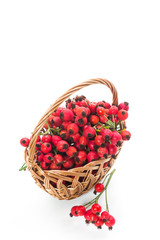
[23,167]
[107,209]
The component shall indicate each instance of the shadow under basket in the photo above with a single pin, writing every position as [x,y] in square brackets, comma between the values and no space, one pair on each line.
[69,184]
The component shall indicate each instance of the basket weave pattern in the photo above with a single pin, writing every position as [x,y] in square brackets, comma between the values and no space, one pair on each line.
[81,179]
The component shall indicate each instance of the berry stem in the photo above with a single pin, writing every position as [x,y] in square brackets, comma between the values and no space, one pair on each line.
[107,209]
[24,166]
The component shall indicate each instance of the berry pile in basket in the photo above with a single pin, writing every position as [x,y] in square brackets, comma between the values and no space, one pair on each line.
[80,133]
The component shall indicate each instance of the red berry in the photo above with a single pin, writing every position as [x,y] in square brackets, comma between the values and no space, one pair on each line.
[83,141]
[106,134]
[46,138]
[58,159]
[80,121]
[81,157]
[124,106]
[48,158]
[40,156]
[107,105]
[116,138]
[56,139]
[53,166]
[93,217]
[92,145]
[99,223]
[103,118]
[38,145]
[24,142]
[102,152]
[64,134]
[38,139]
[94,119]
[92,156]
[65,124]
[81,210]
[66,115]
[87,215]
[46,147]
[44,165]
[126,135]
[58,111]
[81,112]
[72,128]
[99,187]
[89,132]
[99,141]
[93,107]
[122,115]
[110,222]
[100,111]
[62,146]
[56,121]
[68,163]
[74,138]
[74,211]
[72,151]
[105,216]
[112,150]
[113,110]
[96,208]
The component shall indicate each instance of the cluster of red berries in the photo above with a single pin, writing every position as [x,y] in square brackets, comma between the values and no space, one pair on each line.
[95,214]
[80,133]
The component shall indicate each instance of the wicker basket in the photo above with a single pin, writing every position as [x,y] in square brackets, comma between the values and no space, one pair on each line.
[81,179]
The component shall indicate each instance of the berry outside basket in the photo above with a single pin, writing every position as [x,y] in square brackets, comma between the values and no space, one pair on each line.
[81,179]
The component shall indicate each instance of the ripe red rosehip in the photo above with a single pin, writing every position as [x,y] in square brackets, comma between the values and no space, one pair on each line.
[66,115]
[68,163]
[38,145]
[47,138]
[110,222]
[100,111]
[112,150]
[72,128]
[64,134]
[38,139]
[62,146]
[105,216]
[44,165]
[58,159]
[94,119]
[96,208]
[99,223]
[46,147]
[56,139]
[24,142]
[106,134]
[92,107]
[72,151]
[83,141]
[58,111]
[89,132]
[99,141]
[81,210]
[126,135]
[103,118]
[65,124]
[80,121]
[116,138]
[93,217]
[81,112]
[92,156]
[74,211]
[40,156]
[48,158]
[92,145]
[55,121]
[98,187]
[102,152]
[87,215]
[124,106]
[81,157]
[53,166]
[74,138]
[113,110]
[122,115]
[107,105]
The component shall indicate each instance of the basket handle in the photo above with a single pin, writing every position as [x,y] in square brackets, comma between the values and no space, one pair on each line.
[60,100]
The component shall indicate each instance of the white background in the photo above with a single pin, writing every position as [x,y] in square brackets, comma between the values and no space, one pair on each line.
[46,47]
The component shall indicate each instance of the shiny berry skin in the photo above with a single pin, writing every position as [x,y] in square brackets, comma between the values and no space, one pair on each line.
[53,166]
[94,119]
[126,135]
[81,210]
[72,129]
[56,139]
[77,145]
[93,217]
[116,138]
[44,165]
[110,222]
[102,152]
[83,141]
[112,150]
[66,115]
[68,163]
[124,106]
[92,156]
[106,134]
[89,132]
[74,138]
[81,112]
[38,139]
[47,138]
[55,121]
[122,115]
[38,145]
[96,208]
[74,211]
[92,107]
[24,142]
[107,105]
[62,146]
[105,216]
[99,141]
[65,124]
[58,111]
[99,223]
[64,134]
[103,118]
[40,156]
[100,111]
[46,147]
[99,187]
[72,151]
[113,110]
[81,157]
[48,158]
[92,145]
[87,215]
[58,159]
[81,121]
